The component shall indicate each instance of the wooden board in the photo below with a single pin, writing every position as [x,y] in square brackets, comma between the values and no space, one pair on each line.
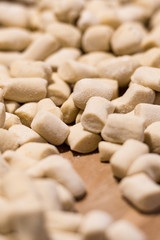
[103,193]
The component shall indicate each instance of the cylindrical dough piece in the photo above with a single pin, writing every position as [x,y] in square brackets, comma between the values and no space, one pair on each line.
[148,77]
[151,39]
[41,48]
[50,127]
[37,150]
[25,89]
[11,106]
[27,69]
[62,55]
[149,112]
[97,38]
[59,168]
[87,88]
[63,221]
[123,229]
[148,164]
[71,71]
[94,225]
[26,113]
[8,141]
[120,127]
[65,196]
[133,12]
[127,38]
[48,105]
[7,58]
[68,11]
[66,34]
[14,39]
[59,91]
[114,85]
[18,161]
[105,12]
[24,186]
[94,58]
[86,19]
[142,192]
[49,198]
[107,149]
[69,110]
[122,159]
[95,114]
[152,137]
[10,120]
[25,134]
[13,15]
[134,95]
[120,69]
[151,58]
[81,140]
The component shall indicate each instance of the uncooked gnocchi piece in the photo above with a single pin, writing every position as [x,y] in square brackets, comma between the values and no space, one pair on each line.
[81,140]
[149,112]
[146,163]
[134,95]
[69,110]
[25,134]
[95,114]
[123,229]
[142,192]
[67,35]
[10,120]
[48,105]
[13,15]
[97,38]
[48,194]
[147,77]
[120,69]
[68,11]
[60,56]
[122,159]
[95,224]
[25,89]
[117,132]
[107,149]
[50,127]
[63,221]
[41,48]
[18,161]
[14,39]
[30,69]
[90,87]
[26,113]
[60,169]
[8,141]
[71,71]
[152,136]
[127,38]
[37,150]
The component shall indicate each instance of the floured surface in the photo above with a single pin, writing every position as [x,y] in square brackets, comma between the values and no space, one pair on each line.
[103,193]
